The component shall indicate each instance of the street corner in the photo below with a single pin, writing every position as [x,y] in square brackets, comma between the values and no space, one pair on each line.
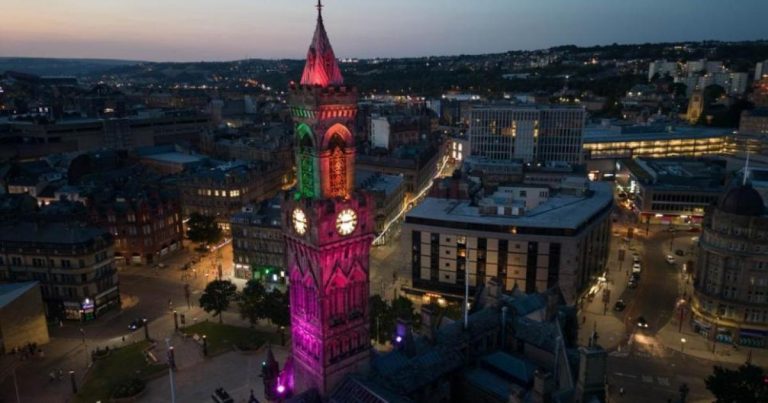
[128,301]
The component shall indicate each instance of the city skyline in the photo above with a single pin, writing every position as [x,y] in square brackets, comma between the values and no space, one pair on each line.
[191,31]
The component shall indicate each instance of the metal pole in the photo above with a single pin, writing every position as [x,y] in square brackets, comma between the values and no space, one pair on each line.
[466,298]
[16,384]
[170,369]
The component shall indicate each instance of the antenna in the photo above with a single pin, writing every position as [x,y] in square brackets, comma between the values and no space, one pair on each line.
[746,169]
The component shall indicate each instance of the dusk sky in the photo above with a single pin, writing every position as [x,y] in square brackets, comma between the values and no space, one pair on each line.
[183,30]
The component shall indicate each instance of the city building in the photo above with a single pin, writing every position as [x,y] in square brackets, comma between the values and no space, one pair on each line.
[258,246]
[754,121]
[671,190]
[169,159]
[530,236]
[527,133]
[145,222]
[388,192]
[74,265]
[417,164]
[606,144]
[761,70]
[695,107]
[328,231]
[760,93]
[730,299]
[28,139]
[661,68]
[224,189]
[22,317]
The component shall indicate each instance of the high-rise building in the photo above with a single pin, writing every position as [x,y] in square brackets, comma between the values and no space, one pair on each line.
[328,230]
[527,133]
[730,298]
[761,70]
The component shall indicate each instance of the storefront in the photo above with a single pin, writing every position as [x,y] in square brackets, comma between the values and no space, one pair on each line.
[753,338]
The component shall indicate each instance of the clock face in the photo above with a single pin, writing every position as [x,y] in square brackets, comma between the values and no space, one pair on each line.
[346,221]
[300,223]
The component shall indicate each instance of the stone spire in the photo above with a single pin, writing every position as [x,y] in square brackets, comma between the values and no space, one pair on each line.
[321,67]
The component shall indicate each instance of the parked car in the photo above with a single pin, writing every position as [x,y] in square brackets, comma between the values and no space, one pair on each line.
[679,252]
[619,305]
[632,283]
[635,258]
[642,323]
[136,324]
[635,276]
[636,268]
[670,259]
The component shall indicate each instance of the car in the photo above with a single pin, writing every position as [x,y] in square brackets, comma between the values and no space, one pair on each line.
[635,258]
[642,323]
[635,276]
[679,252]
[636,268]
[619,305]
[136,324]
[670,259]
[632,283]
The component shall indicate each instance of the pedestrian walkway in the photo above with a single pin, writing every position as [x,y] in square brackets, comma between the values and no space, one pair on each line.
[684,340]
[197,377]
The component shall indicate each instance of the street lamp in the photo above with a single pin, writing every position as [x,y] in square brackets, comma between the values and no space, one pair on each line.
[72,381]
[205,345]
[175,321]
[146,329]
[682,344]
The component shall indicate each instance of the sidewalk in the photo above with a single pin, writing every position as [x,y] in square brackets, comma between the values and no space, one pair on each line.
[696,345]
[599,316]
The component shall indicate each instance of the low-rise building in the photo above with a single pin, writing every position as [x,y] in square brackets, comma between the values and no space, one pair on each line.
[257,242]
[223,190]
[530,236]
[754,121]
[73,263]
[22,317]
[417,164]
[388,193]
[671,190]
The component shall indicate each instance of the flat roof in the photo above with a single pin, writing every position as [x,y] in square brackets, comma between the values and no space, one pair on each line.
[699,174]
[560,211]
[175,157]
[9,292]
[377,182]
[600,134]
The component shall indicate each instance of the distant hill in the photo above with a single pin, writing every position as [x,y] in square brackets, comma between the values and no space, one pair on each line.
[60,67]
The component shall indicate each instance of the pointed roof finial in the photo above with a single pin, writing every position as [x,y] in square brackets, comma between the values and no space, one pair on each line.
[321,67]
[319,7]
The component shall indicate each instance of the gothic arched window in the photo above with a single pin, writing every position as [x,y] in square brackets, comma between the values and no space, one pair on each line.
[306,162]
[338,168]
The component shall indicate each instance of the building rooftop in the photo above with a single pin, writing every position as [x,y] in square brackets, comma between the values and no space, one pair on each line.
[176,157]
[610,134]
[695,173]
[265,214]
[9,292]
[56,233]
[559,211]
[377,182]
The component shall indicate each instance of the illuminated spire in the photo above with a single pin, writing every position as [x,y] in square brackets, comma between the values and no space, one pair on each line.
[321,67]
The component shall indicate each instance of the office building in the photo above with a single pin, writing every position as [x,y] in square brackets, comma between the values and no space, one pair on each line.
[74,265]
[761,70]
[531,236]
[388,192]
[257,242]
[671,190]
[527,133]
[754,121]
[730,299]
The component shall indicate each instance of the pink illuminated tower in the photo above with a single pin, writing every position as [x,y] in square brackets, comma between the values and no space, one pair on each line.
[328,228]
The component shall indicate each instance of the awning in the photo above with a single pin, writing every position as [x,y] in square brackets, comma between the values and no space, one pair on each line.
[752,333]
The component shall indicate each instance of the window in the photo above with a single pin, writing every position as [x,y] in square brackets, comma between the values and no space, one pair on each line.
[65,263]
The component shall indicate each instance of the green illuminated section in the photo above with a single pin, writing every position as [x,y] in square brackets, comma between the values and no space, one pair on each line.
[306,162]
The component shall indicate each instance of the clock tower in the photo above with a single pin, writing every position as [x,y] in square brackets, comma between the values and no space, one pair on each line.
[328,228]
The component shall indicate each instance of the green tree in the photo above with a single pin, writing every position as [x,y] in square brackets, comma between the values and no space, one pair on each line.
[217,296]
[380,314]
[402,308]
[745,384]
[203,229]
[277,305]
[251,301]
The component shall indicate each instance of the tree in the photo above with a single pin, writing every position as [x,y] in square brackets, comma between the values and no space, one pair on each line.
[203,229]
[217,296]
[251,302]
[277,308]
[745,384]
[380,312]
[402,308]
